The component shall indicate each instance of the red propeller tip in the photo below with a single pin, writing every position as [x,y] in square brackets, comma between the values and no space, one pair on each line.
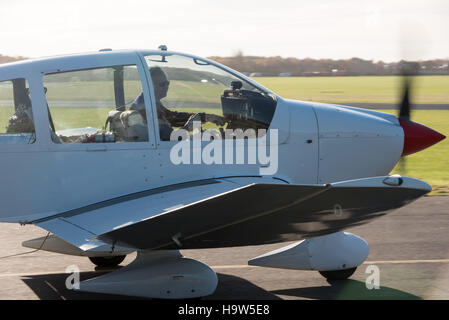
[418,137]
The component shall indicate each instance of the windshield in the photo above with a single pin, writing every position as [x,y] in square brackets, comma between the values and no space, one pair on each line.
[184,86]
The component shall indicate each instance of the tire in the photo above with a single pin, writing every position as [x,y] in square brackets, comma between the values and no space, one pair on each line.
[107,262]
[338,274]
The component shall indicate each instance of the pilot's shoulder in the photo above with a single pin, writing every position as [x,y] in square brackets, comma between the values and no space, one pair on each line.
[138,103]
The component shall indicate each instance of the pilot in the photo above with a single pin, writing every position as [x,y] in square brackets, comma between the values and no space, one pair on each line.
[167,118]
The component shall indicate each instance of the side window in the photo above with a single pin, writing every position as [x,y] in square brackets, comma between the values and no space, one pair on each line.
[16,116]
[93,105]
[188,89]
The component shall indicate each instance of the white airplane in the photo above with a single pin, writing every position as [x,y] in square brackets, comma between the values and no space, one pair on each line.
[86,154]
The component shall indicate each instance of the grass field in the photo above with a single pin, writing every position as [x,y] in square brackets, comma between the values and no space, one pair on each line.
[426,89]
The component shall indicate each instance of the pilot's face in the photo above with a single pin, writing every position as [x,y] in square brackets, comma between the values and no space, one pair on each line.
[160,84]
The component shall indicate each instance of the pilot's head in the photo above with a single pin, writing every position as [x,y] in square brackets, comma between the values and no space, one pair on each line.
[160,82]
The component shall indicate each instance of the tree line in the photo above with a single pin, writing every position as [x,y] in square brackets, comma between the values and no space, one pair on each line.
[6,59]
[275,66]
[278,66]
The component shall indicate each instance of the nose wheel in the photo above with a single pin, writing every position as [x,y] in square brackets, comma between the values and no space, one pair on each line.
[107,262]
[338,274]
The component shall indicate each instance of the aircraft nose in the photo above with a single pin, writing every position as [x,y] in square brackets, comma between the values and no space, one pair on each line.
[418,137]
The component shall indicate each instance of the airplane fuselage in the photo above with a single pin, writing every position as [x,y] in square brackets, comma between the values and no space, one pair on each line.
[316,144]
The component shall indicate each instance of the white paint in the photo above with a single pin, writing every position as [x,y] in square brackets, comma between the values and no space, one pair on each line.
[356,144]
[159,274]
[336,251]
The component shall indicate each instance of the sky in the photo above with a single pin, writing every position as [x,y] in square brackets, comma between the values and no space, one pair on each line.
[387,30]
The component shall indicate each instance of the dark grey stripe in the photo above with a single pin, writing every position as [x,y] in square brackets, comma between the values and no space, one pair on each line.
[132,196]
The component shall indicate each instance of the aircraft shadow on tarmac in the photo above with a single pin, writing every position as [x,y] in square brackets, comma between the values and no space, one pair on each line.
[347,290]
[53,287]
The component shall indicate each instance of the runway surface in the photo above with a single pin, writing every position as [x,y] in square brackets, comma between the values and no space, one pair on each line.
[409,246]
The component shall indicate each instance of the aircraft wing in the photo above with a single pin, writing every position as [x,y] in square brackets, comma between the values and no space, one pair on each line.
[81,225]
[231,212]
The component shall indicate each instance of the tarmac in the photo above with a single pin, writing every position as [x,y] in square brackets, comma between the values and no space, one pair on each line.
[410,248]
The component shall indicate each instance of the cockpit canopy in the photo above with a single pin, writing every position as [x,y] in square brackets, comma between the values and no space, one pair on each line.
[105,103]
[198,86]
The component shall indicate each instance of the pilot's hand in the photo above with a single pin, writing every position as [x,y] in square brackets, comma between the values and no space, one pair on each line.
[218,120]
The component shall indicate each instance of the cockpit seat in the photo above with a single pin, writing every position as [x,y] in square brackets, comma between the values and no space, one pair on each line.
[127,125]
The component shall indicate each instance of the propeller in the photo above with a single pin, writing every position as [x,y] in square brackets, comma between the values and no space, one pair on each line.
[416,136]
[404,114]
[404,107]
[408,71]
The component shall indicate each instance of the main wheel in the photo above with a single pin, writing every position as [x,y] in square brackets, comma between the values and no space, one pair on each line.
[338,274]
[109,262]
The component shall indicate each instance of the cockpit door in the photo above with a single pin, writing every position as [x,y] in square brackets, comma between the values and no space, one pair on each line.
[90,104]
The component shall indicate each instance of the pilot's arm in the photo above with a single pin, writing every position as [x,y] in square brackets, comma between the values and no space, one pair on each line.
[178,119]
